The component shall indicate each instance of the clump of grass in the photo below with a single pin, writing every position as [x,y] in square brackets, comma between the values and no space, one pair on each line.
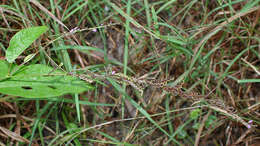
[128,50]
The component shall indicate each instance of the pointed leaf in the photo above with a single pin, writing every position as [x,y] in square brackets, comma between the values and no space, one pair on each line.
[22,40]
[33,81]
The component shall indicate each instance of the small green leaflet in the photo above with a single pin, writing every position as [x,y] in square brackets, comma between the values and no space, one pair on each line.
[195,114]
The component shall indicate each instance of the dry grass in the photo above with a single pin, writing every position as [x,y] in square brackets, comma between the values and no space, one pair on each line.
[175,72]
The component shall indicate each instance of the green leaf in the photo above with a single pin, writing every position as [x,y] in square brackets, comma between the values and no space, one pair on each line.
[22,40]
[34,82]
[195,114]
[249,81]
[211,121]
[196,126]
[29,57]
[174,40]
[3,70]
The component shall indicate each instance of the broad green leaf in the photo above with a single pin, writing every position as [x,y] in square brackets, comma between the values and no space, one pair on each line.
[34,82]
[22,40]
